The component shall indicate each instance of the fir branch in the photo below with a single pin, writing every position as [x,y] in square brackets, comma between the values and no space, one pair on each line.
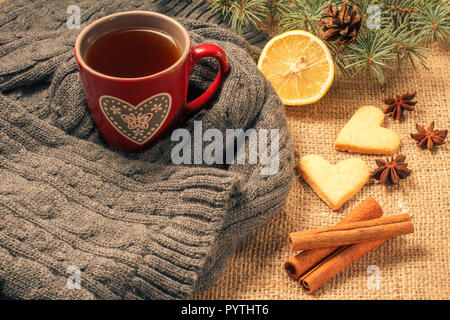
[338,52]
[276,9]
[398,12]
[404,26]
[372,51]
[221,6]
[241,14]
[304,14]
[408,49]
[400,6]
[434,20]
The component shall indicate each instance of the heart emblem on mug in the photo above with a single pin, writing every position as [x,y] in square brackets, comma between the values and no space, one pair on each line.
[137,123]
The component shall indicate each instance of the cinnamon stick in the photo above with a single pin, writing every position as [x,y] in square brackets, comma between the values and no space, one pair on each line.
[334,264]
[305,260]
[352,232]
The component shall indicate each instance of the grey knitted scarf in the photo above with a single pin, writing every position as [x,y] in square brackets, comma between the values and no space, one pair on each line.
[79,221]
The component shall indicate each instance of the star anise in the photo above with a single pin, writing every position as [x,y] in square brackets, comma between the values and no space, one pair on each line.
[430,137]
[390,171]
[398,104]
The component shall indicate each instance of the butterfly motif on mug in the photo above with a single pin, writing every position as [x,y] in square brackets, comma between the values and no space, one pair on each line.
[137,123]
[140,121]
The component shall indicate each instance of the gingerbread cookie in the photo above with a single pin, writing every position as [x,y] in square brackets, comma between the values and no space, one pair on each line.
[363,134]
[336,184]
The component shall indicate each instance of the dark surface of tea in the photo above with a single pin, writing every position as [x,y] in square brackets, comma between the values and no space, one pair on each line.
[132,53]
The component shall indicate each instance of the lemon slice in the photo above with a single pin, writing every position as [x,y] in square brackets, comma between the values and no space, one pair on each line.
[299,66]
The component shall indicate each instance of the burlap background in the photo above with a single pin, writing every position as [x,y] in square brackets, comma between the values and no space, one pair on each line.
[414,266]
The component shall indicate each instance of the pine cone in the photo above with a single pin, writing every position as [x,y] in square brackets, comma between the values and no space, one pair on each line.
[340,25]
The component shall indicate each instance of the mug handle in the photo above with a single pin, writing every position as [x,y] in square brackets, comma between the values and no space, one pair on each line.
[200,52]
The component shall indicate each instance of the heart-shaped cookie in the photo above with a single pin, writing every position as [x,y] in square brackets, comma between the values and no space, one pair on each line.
[363,134]
[334,184]
[137,123]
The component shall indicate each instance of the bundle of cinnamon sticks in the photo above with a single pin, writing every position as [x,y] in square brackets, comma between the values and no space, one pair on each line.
[328,251]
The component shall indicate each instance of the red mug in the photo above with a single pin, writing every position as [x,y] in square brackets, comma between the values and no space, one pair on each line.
[132,113]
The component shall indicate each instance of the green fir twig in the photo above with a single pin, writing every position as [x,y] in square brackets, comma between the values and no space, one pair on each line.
[405,30]
[303,15]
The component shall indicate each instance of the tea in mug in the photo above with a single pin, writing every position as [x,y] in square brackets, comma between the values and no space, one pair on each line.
[132,53]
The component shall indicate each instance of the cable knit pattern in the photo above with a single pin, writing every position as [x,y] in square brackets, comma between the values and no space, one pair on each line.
[135,225]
